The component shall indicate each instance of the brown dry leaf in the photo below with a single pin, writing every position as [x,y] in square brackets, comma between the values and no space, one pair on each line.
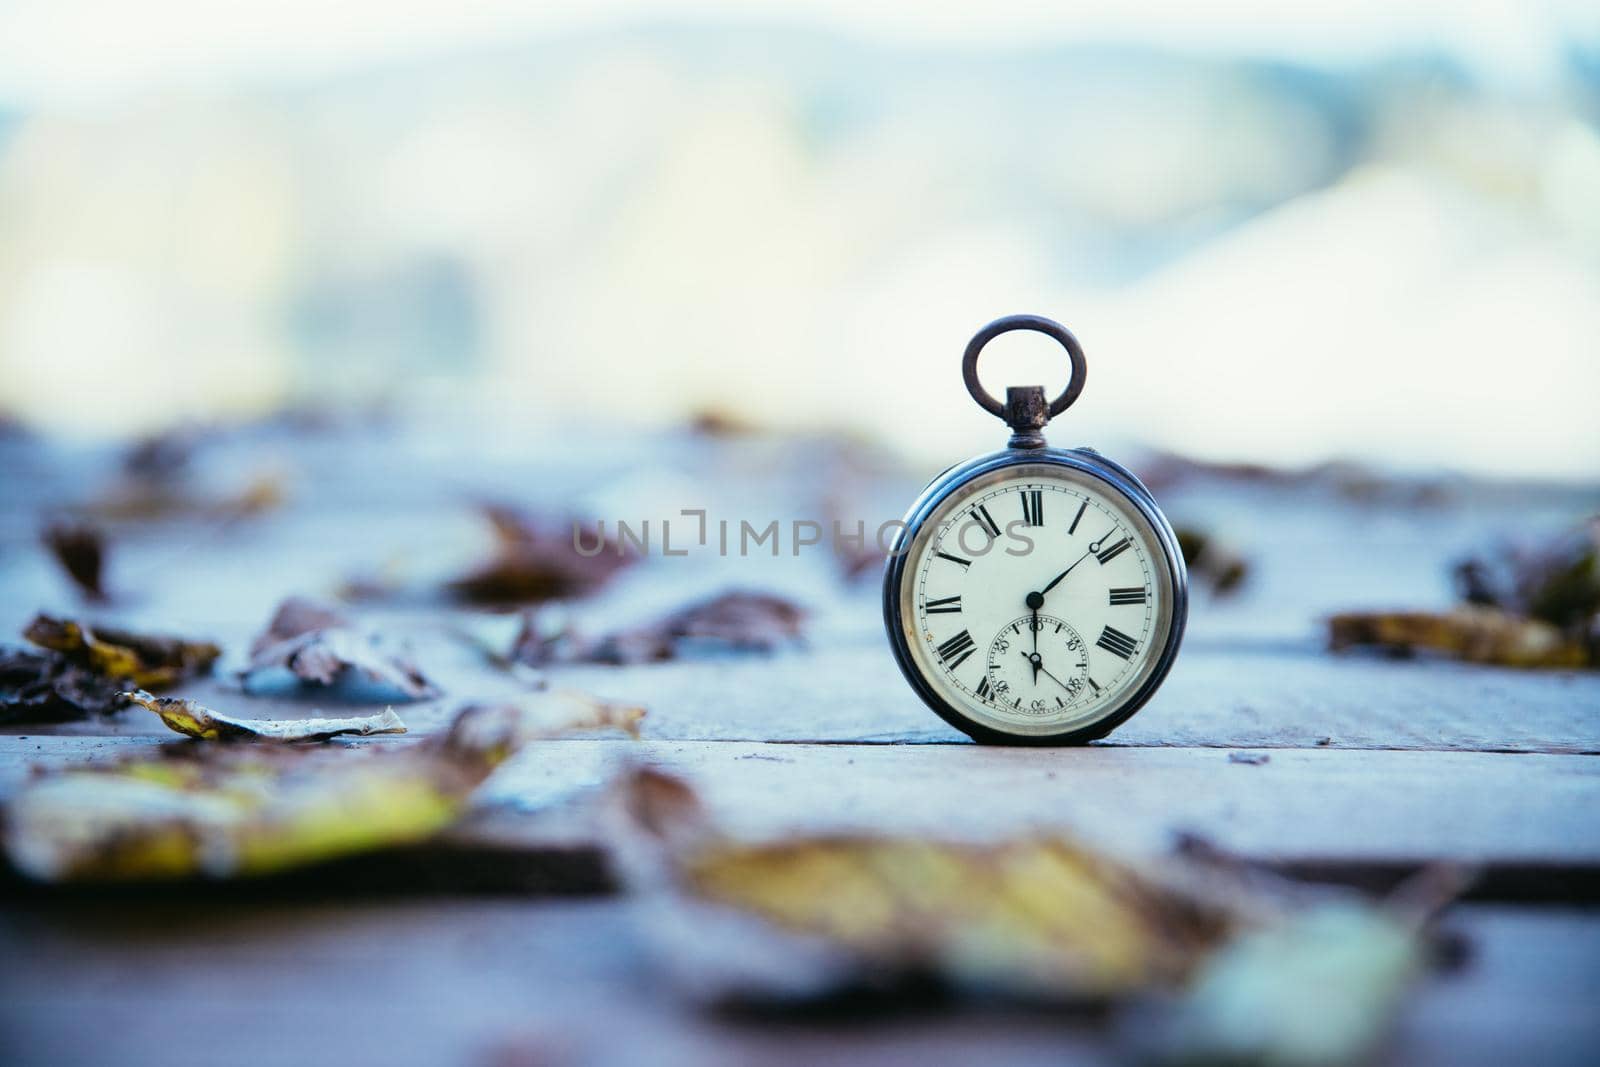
[317,645]
[37,685]
[148,661]
[80,548]
[1211,560]
[740,621]
[222,811]
[195,720]
[1474,634]
[535,559]
[295,616]
[1039,916]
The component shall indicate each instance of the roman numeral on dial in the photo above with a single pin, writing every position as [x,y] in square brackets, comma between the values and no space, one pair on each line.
[948,605]
[1115,642]
[981,515]
[954,559]
[983,688]
[1126,596]
[1033,507]
[955,651]
[1078,517]
[1106,555]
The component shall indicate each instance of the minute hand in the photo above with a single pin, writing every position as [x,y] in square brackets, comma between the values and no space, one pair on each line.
[1095,547]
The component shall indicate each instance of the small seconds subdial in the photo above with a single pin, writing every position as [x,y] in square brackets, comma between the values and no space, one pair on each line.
[1037,664]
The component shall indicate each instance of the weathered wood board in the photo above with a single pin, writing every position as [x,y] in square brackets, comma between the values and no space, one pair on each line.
[551,981]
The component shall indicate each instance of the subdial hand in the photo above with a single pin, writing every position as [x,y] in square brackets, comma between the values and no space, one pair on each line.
[1034,659]
[1039,668]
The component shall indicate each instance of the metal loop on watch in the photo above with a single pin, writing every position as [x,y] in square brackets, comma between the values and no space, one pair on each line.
[1038,324]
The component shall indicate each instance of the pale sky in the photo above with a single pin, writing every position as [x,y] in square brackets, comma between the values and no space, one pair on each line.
[72,52]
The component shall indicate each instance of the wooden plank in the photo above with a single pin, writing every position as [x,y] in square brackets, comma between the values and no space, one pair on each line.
[1299,805]
[1269,697]
[1347,815]
[151,982]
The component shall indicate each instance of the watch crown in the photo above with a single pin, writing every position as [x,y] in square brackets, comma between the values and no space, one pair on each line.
[1026,413]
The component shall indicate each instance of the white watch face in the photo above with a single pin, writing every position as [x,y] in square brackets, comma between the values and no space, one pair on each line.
[1036,600]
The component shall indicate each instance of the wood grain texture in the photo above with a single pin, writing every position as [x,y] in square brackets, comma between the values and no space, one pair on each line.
[850,692]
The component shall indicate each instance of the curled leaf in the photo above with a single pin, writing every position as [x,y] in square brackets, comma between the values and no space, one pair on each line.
[319,647]
[148,661]
[296,616]
[1040,917]
[738,621]
[1474,634]
[222,811]
[196,720]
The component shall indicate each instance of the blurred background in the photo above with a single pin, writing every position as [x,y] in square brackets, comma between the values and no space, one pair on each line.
[1285,234]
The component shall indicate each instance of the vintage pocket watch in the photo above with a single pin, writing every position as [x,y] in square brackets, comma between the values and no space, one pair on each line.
[1035,595]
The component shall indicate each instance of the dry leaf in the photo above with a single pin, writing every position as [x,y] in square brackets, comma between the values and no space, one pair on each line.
[80,548]
[535,559]
[1038,917]
[1212,561]
[1557,581]
[42,686]
[146,660]
[1474,634]
[318,646]
[296,616]
[737,621]
[224,811]
[196,720]
[1215,964]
